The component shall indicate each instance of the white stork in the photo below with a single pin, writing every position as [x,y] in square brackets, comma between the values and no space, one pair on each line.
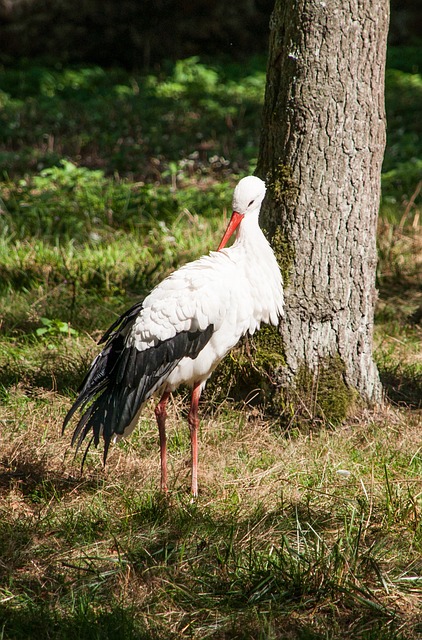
[181,331]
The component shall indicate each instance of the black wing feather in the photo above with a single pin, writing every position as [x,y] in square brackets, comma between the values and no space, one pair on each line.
[128,317]
[122,378]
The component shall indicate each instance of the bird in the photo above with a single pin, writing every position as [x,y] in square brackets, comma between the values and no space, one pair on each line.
[180,332]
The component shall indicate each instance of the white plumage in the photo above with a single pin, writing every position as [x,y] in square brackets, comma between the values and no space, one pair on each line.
[182,330]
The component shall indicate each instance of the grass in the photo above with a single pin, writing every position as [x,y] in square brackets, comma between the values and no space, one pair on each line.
[308,532]
[281,543]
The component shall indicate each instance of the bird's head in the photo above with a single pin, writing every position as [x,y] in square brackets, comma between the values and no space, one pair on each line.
[247,198]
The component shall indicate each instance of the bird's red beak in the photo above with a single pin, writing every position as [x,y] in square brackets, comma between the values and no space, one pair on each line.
[235,220]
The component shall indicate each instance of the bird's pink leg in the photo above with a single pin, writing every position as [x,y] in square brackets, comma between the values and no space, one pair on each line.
[193,421]
[161,415]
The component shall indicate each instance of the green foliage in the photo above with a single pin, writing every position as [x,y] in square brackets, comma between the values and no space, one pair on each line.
[402,169]
[54,329]
[202,86]
[400,183]
[82,204]
[189,78]
[405,58]
[192,115]
[192,119]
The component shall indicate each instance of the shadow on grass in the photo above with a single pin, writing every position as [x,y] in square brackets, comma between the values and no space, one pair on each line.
[39,484]
[403,387]
[54,369]
[86,623]
[216,574]
[124,624]
[399,315]
[400,296]
[129,623]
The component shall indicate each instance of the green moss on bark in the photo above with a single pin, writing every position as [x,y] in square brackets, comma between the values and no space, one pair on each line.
[251,372]
[284,253]
[325,394]
[283,189]
[282,185]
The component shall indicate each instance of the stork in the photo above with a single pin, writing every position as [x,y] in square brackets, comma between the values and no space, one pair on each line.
[180,332]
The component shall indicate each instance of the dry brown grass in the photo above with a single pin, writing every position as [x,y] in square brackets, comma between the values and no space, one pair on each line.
[240,452]
[257,481]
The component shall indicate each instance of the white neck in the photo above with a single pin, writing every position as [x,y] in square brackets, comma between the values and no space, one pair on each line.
[249,231]
[260,267]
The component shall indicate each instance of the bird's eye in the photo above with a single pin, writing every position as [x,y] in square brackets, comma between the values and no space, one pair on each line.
[251,202]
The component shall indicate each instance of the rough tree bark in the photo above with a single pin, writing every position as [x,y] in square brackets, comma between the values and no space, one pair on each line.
[321,151]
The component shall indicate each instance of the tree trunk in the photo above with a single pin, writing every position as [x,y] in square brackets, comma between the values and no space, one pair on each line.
[321,152]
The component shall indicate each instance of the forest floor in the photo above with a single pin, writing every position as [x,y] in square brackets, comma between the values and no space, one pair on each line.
[309,530]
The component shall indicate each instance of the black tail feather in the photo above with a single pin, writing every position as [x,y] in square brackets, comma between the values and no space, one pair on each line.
[87,448]
[81,430]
